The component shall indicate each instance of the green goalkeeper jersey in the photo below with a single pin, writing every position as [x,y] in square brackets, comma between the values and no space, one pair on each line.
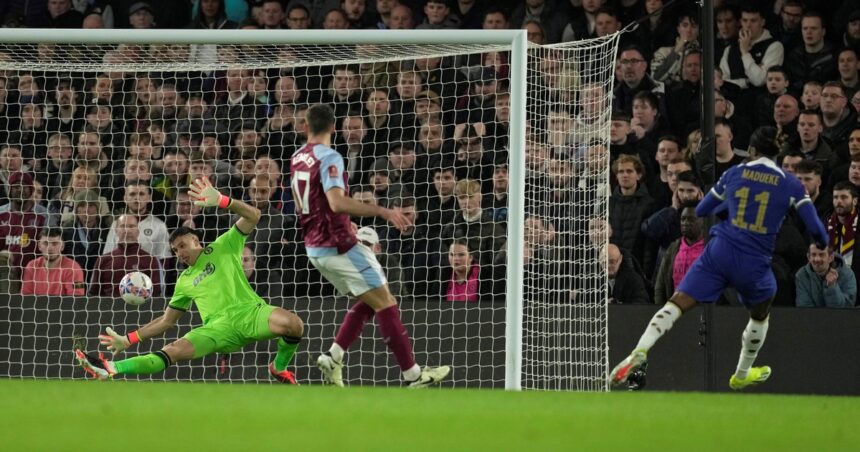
[216,281]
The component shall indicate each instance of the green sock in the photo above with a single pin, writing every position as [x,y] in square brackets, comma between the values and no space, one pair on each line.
[143,364]
[287,346]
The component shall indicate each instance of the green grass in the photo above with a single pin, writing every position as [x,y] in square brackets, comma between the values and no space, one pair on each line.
[144,417]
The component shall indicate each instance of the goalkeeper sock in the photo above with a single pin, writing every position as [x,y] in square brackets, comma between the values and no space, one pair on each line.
[143,364]
[659,325]
[350,329]
[287,346]
[751,342]
[396,338]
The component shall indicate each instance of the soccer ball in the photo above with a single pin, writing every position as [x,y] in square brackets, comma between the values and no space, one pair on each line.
[135,288]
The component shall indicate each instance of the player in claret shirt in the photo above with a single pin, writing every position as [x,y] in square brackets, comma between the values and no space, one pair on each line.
[757,196]
[324,209]
[233,314]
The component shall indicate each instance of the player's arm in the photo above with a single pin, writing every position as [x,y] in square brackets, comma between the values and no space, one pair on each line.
[713,201]
[806,211]
[117,343]
[339,202]
[205,195]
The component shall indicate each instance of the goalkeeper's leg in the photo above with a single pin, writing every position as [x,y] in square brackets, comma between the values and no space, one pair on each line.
[150,363]
[288,328]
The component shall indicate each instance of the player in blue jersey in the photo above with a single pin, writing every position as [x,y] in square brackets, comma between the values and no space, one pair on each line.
[757,196]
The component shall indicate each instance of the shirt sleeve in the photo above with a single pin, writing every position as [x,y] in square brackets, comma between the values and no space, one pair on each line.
[331,171]
[180,301]
[232,241]
[756,73]
[77,281]
[27,287]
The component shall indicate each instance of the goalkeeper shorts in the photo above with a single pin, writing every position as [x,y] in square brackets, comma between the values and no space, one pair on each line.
[232,331]
[352,273]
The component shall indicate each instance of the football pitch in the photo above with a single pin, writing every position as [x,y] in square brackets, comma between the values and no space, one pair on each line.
[137,416]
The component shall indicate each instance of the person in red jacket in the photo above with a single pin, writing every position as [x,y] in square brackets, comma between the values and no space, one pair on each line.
[52,273]
[127,257]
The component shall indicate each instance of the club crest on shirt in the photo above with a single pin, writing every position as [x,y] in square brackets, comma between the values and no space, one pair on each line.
[207,250]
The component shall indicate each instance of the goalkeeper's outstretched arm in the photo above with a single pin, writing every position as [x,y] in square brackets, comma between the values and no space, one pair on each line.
[205,195]
[117,343]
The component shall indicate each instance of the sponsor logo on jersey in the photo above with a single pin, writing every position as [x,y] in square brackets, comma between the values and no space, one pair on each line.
[207,270]
[18,240]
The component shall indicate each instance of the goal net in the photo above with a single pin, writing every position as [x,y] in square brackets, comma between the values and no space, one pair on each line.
[99,142]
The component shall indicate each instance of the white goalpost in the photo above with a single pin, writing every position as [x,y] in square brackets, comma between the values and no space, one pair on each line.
[498,148]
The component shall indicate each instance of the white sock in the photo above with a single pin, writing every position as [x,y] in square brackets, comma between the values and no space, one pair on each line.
[751,342]
[659,325]
[336,352]
[412,373]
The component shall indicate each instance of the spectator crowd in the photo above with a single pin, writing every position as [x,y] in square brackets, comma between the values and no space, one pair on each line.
[95,166]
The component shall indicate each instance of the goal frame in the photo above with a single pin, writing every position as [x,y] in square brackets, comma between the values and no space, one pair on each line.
[515,39]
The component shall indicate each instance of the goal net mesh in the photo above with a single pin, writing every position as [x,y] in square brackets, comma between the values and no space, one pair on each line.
[98,144]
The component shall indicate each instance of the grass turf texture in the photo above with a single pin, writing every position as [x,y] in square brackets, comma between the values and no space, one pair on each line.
[138,416]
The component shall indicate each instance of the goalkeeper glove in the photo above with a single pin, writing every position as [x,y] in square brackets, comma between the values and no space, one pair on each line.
[116,343]
[205,195]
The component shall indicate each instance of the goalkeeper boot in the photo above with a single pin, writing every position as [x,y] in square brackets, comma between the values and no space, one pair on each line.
[623,370]
[284,376]
[97,366]
[430,376]
[755,376]
[332,370]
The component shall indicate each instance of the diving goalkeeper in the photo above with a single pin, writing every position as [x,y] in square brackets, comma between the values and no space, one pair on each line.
[233,314]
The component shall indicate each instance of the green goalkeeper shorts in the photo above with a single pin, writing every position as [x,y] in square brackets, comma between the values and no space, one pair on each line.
[232,331]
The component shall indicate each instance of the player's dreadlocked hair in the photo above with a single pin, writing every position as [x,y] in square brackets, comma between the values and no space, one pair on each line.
[763,140]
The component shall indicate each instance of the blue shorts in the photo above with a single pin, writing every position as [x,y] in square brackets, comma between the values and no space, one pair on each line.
[722,265]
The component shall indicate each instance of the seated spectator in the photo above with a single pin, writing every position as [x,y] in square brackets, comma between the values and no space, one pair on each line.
[85,236]
[811,142]
[629,205]
[61,209]
[684,99]
[776,85]
[19,225]
[127,257]
[496,201]
[11,161]
[543,12]
[842,225]
[183,212]
[726,154]
[64,114]
[814,59]
[441,204]
[633,79]
[473,160]
[809,173]
[406,169]
[849,71]
[138,202]
[666,62]
[463,282]
[335,19]
[838,117]
[438,16]
[625,285]
[52,273]
[175,168]
[344,93]
[140,16]
[681,253]
[746,60]
[785,113]
[811,96]
[663,227]
[380,181]
[474,224]
[826,282]
[274,231]
[789,161]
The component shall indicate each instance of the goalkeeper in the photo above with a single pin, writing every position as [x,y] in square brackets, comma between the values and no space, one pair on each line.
[233,314]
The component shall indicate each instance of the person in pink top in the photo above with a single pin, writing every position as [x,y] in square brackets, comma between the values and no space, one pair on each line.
[52,273]
[465,281]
